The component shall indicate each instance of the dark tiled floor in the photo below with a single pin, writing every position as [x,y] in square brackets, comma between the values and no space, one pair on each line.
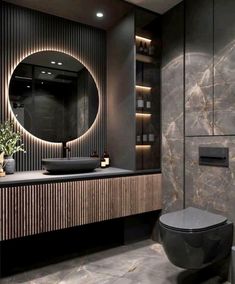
[141,263]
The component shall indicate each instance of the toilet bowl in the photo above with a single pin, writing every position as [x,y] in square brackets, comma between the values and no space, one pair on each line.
[193,238]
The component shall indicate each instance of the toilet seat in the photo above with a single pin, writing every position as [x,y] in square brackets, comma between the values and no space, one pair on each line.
[191,220]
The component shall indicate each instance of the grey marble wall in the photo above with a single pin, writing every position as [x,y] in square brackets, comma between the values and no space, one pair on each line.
[172,109]
[210,188]
[209,67]
[224,57]
[207,87]
[199,67]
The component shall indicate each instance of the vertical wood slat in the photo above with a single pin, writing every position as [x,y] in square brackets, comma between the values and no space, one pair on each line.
[32,209]
[23,32]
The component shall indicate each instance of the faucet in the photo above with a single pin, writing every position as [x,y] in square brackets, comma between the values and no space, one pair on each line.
[64,149]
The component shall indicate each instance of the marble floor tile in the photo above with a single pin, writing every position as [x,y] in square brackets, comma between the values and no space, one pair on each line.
[140,263]
[82,276]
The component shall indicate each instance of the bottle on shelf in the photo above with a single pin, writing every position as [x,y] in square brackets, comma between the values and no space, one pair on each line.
[94,154]
[139,102]
[148,104]
[146,49]
[141,47]
[102,163]
[151,50]
[151,135]
[145,138]
[106,158]
[138,139]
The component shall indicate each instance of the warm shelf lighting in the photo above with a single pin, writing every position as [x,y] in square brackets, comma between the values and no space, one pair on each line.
[21,77]
[53,145]
[140,114]
[143,146]
[143,39]
[143,88]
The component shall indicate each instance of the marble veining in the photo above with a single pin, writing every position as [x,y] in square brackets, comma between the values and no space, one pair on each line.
[205,98]
[198,94]
[172,134]
[143,262]
[210,188]
[209,109]
[224,90]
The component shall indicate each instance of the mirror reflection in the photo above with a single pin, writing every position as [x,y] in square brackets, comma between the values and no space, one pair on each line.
[53,96]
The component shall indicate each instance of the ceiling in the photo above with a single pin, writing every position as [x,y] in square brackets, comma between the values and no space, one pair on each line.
[83,11]
[158,6]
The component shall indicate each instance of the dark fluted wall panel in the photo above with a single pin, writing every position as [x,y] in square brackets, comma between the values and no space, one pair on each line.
[34,209]
[24,32]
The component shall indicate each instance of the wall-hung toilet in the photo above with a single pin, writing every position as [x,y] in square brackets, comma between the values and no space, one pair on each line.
[194,238]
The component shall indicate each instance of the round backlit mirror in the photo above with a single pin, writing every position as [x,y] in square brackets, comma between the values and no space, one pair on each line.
[53,96]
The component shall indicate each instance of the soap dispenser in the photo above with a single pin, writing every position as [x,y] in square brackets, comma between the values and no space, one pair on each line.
[107,158]
[102,163]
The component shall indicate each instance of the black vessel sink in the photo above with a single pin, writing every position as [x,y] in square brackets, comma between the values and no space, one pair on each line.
[70,165]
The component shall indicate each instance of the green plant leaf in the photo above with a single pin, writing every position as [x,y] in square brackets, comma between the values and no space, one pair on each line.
[10,141]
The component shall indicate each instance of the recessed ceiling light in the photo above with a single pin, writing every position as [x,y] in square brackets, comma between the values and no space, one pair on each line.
[99,15]
[60,63]
[28,86]
[53,62]
[43,72]
[49,73]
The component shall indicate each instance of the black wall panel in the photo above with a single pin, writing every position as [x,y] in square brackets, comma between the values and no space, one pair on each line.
[24,32]
[224,67]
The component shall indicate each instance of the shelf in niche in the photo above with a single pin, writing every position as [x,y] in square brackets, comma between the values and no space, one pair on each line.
[141,38]
[21,78]
[143,88]
[145,58]
[148,63]
[143,146]
[143,114]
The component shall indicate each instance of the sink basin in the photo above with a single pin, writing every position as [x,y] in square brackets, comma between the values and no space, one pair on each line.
[70,165]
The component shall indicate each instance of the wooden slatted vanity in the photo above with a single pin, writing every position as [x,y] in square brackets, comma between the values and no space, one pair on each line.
[34,202]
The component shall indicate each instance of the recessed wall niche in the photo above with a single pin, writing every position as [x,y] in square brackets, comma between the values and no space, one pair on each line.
[26,31]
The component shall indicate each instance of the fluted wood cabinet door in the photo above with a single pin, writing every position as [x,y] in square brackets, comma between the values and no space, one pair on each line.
[33,209]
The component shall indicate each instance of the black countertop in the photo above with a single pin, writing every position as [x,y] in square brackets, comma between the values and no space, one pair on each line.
[32,177]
